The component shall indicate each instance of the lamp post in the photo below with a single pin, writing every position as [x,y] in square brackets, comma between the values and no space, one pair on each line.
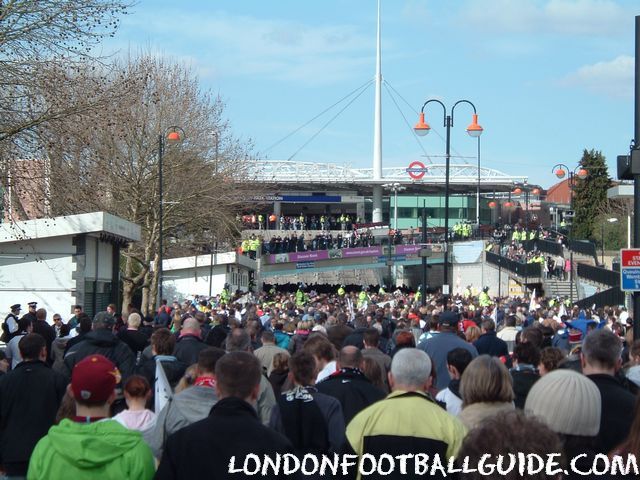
[610,220]
[474,130]
[560,170]
[478,188]
[526,189]
[171,135]
[395,188]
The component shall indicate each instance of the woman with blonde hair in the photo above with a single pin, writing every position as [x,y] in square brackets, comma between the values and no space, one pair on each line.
[472,334]
[486,389]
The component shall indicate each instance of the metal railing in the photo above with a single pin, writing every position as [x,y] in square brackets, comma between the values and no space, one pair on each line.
[599,275]
[546,246]
[584,247]
[613,296]
[525,270]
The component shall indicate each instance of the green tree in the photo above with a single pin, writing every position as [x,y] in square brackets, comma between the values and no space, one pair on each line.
[590,194]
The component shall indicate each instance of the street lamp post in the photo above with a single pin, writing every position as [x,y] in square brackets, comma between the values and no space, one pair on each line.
[395,188]
[171,135]
[474,130]
[478,189]
[526,189]
[560,170]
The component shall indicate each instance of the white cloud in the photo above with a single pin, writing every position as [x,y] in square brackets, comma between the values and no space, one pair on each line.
[614,78]
[564,17]
[232,45]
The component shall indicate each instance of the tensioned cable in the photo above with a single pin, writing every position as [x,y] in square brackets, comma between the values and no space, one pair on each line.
[330,121]
[361,87]
[407,123]
[416,112]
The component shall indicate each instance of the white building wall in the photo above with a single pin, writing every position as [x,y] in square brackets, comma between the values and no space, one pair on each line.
[104,259]
[188,276]
[38,271]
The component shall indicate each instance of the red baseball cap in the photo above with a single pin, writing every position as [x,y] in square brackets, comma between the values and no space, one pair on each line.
[94,379]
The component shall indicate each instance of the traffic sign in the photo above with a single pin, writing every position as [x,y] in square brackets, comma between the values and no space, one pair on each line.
[416,170]
[630,269]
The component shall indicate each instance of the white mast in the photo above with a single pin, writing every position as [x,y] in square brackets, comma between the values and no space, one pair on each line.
[377,131]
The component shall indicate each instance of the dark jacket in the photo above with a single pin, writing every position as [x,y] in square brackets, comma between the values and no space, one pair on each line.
[356,338]
[187,349]
[135,339]
[617,412]
[43,328]
[74,341]
[311,420]
[489,344]
[232,429]
[217,336]
[277,380]
[352,389]
[102,342]
[523,376]
[29,399]
[173,369]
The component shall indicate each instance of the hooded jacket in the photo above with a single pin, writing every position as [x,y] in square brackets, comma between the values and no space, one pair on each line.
[104,450]
[102,342]
[187,407]
[188,348]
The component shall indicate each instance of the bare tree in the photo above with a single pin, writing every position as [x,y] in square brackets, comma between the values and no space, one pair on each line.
[37,33]
[108,160]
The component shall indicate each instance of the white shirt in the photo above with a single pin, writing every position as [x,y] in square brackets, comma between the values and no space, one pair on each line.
[14,351]
[328,369]
[454,403]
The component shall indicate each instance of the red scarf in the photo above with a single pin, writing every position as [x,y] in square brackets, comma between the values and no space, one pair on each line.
[205,382]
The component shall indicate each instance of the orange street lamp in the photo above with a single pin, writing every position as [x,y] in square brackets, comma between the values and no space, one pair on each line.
[422,128]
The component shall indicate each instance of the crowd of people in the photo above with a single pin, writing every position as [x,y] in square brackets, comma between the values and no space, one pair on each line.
[510,243]
[207,382]
[259,221]
[322,241]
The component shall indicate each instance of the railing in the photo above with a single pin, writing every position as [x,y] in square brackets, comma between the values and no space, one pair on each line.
[547,246]
[611,297]
[533,270]
[584,247]
[599,275]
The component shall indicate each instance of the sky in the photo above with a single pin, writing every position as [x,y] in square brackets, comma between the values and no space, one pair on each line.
[549,78]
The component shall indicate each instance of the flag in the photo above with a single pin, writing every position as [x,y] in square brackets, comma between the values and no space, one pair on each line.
[562,311]
[163,390]
[494,315]
[532,304]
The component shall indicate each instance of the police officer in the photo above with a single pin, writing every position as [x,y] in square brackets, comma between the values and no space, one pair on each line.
[10,324]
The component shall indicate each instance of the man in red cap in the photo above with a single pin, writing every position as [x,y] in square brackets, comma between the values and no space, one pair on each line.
[90,445]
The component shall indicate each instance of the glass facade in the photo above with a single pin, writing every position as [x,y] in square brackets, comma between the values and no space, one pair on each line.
[461,208]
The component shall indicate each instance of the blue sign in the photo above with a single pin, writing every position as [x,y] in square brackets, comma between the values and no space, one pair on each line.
[311,198]
[630,279]
[395,258]
[300,265]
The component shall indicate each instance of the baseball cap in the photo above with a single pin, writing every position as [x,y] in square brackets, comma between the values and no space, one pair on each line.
[104,318]
[94,379]
[448,318]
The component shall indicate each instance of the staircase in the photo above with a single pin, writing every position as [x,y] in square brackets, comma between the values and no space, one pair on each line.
[560,288]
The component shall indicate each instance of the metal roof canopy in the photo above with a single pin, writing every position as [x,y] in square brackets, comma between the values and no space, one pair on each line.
[463,178]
